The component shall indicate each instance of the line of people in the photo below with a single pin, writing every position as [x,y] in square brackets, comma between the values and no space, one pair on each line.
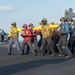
[52,40]
[29,38]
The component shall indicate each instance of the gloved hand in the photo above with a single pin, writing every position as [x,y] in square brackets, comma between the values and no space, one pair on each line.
[23,35]
[8,38]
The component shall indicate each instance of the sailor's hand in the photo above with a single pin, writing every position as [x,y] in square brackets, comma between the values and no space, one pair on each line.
[23,35]
[8,38]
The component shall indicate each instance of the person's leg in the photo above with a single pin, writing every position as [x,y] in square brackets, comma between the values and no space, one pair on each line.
[40,43]
[73,46]
[50,45]
[16,42]
[10,46]
[22,47]
[33,49]
[59,46]
[43,47]
[37,47]
[55,41]
[72,42]
[66,46]
[27,49]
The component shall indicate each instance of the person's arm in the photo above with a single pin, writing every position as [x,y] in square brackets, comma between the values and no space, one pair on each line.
[29,33]
[9,35]
[54,26]
[37,28]
[37,32]
[19,29]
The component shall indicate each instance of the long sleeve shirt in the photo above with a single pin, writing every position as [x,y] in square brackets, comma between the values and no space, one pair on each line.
[46,30]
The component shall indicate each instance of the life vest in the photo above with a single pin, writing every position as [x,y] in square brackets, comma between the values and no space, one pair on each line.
[14,33]
[46,31]
[29,34]
[64,29]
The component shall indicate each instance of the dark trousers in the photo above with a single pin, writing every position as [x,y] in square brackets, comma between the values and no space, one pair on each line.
[55,39]
[40,42]
[11,42]
[47,41]
[63,42]
[36,45]
[27,49]
[72,43]
[30,46]
[69,42]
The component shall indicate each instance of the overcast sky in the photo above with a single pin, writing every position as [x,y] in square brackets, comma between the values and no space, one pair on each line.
[31,11]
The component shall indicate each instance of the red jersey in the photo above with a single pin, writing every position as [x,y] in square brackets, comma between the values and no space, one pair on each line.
[34,34]
[28,33]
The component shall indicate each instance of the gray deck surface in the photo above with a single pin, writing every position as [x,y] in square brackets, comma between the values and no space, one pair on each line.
[16,64]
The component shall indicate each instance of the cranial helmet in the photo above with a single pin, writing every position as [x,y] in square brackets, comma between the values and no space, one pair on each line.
[62,19]
[24,25]
[44,21]
[13,23]
[70,19]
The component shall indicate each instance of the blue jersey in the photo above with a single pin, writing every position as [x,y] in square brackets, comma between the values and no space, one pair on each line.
[64,28]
